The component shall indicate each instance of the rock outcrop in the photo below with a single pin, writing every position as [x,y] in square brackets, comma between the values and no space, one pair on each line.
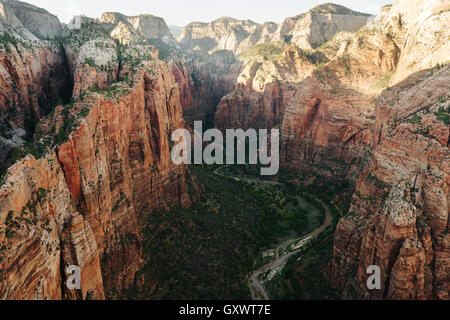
[402,199]
[363,104]
[41,233]
[28,22]
[146,26]
[263,90]
[32,79]
[398,218]
[96,66]
[83,202]
[204,79]
[322,22]
[221,34]
[323,100]
[328,125]
[307,31]
[370,107]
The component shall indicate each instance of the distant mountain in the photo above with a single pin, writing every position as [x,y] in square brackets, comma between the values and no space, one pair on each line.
[307,30]
[175,30]
[25,21]
[145,26]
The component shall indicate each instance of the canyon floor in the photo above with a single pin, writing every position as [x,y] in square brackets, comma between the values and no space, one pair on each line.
[214,245]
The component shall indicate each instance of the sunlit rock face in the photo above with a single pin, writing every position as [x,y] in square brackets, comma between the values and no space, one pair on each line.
[322,100]
[145,26]
[398,217]
[307,31]
[32,80]
[27,21]
[77,204]
[402,198]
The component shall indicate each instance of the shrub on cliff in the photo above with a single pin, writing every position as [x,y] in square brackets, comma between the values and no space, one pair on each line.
[268,51]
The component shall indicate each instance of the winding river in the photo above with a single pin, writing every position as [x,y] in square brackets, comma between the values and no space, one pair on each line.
[281,254]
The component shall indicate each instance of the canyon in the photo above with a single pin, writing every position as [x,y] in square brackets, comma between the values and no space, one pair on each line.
[87,110]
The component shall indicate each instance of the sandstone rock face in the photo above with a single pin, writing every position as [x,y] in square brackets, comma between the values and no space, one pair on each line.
[369,107]
[398,217]
[97,65]
[402,197]
[307,31]
[77,22]
[263,90]
[323,101]
[408,276]
[83,201]
[37,213]
[320,24]
[138,172]
[204,79]
[417,26]
[328,125]
[221,34]
[114,168]
[326,135]
[27,21]
[32,79]
[145,26]
[125,34]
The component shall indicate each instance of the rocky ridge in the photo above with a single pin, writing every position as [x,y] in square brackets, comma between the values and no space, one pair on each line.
[28,22]
[398,218]
[90,191]
[145,26]
[97,166]
[307,30]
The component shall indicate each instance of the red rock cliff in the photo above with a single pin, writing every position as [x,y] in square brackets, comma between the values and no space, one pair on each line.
[32,79]
[84,202]
[398,218]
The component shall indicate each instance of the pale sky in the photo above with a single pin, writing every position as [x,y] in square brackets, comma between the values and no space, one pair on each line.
[182,12]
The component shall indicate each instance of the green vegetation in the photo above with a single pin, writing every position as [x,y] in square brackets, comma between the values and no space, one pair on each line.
[305,273]
[304,279]
[88,31]
[66,129]
[271,51]
[415,119]
[443,115]
[28,217]
[111,92]
[165,51]
[383,81]
[378,183]
[37,150]
[6,39]
[41,195]
[207,251]
[325,74]
[315,57]
[90,62]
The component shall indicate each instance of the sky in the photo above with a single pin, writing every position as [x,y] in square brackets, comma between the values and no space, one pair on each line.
[182,12]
